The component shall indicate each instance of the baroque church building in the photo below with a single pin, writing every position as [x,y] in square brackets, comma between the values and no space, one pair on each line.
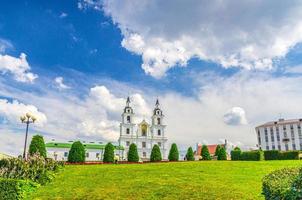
[143,134]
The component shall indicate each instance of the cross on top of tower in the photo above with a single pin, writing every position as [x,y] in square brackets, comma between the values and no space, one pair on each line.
[128,101]
[157,103]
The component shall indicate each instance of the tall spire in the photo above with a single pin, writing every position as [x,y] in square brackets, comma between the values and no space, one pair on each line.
[157,103]
[128,101]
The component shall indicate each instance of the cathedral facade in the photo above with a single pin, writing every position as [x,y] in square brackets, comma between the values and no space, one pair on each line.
[143,134]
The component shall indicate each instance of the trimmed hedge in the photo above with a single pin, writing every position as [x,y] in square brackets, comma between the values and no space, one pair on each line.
[155,154]
[190,154]
[76,152]
[132,153]
[109,153]
[235,154]
[173,154]
[252,155]
[281,155]
[37,145]
[278,184]
[11,189]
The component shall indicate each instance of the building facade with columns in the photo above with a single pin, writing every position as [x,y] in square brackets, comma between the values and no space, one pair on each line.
[281,135]
[145,135]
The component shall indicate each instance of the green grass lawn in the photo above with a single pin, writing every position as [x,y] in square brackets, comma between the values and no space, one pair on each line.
[182,180]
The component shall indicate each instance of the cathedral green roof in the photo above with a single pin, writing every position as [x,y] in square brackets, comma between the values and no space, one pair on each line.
[87,146]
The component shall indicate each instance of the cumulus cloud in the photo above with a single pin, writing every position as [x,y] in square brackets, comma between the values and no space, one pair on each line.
[59,82]
[235,116]
[4,45]
[18,67]
[248,34]
[12,111]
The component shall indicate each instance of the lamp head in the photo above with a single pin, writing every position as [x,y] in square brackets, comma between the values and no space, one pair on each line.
[22,118]
[33,118]
[28,115]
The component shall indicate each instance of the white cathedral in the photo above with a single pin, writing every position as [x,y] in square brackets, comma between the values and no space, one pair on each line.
[144,135]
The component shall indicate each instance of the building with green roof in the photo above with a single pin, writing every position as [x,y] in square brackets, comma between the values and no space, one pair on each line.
[94,151]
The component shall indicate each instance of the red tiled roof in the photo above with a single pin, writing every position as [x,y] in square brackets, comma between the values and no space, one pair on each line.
[211,147]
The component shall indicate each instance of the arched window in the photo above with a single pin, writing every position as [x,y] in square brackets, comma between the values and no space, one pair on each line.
[128,119]
[128,131]
[158,120]
[158,132]
[144,130]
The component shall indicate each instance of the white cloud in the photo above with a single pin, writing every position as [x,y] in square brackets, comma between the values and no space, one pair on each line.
[248,34]
[63,15]
[59,82]
[12,111]
[4,45]
[235,116]
[18,67]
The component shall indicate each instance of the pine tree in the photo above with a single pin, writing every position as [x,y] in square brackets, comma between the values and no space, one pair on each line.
[222,155]
[133,154]
[190,154]
[173,154]
[76,152]
[155,154]
[218,147]
[205,153]
[37,145]
[109,153]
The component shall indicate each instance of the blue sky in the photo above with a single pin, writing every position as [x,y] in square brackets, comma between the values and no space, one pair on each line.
[88,56]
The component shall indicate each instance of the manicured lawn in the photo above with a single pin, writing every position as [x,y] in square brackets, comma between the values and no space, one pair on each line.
[182,180]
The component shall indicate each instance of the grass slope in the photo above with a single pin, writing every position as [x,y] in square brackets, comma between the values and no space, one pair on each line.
[182,180]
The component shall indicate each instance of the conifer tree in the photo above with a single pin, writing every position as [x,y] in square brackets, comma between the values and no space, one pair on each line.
[218,147]
[109,153]
[190,154]
[76,152]
[37,145]
[205,153]
[222,155]
[133,154]
[173,154]
[155,154]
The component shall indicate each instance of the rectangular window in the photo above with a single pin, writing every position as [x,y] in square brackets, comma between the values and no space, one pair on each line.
[128,131]
[267,147]
[272,137]
[127,143]
[273,147]
[284,127]
[266,135]
[97,155]
[159,144]
[294,146]
[259,138]
[87,155]
[144,144]
[300,146]
[144,154]
[278,134]
[65,154]
[286,147]
[279,147]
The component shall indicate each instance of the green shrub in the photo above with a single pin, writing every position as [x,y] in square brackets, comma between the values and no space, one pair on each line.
[37,145]
[35,168]
[295,191]
[235,154]
[205,153]
[76,152]
[222,155]
[271,155]
[173,154]
[109,153]
[133,154]
[155,154]
[218,147]
[237,149]
[252,155]
[277,185]
[190,154]
[289,155]
[11,189]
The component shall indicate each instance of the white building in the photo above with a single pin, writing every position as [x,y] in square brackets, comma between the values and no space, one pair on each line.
[143,134]
[280,135]
[94,151]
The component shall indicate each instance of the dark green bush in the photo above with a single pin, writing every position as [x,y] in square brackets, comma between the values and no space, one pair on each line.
[155,154]
[109,153]
[295,191]
[277,185]
[205,153]
[271,155]
[37,145]
[190,154]
[12,189]
[218,147]
[173,154]
[76,152]
[289,155]
[235,154]
[133,154]
[252,155]
[222,155]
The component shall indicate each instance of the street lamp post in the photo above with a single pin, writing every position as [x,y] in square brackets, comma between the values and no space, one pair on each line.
[27,119]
